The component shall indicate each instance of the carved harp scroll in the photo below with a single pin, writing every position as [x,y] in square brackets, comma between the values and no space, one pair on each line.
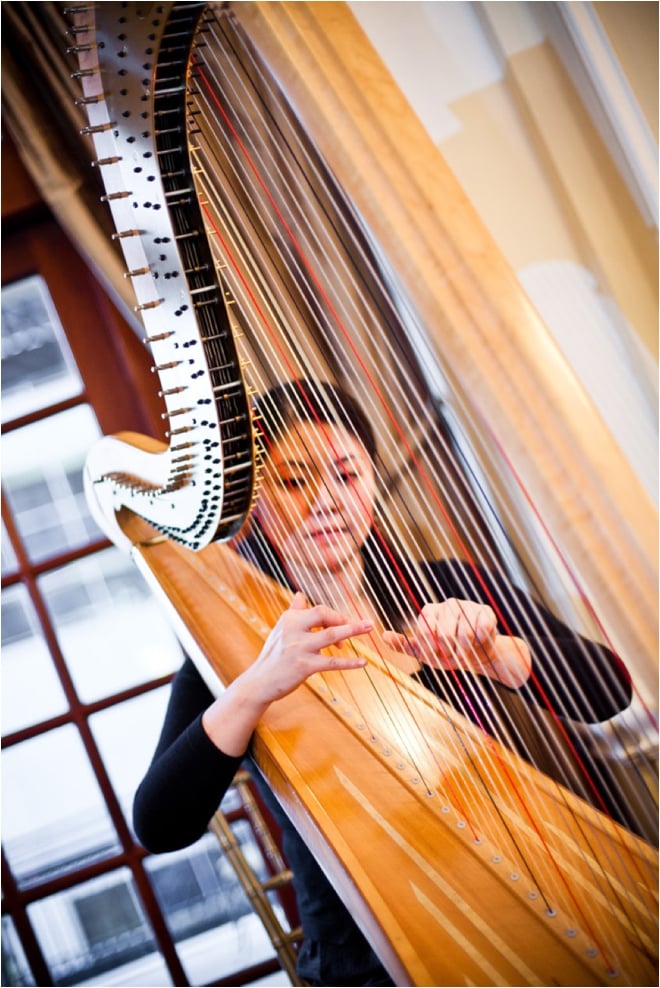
[585,910]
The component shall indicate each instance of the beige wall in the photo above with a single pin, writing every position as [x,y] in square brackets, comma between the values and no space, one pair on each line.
[489,83]
[632,29]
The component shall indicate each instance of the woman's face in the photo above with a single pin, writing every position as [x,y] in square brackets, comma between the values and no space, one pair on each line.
[317,498]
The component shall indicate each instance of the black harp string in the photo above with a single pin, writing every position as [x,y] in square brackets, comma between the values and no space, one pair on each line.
[294,260]
[263,383]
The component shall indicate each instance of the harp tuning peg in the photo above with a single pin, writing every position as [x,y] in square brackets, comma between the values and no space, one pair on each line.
[161,367]
[74,49]
[106,161]
[172,391]
[97,128]
[158,336]
[110,196]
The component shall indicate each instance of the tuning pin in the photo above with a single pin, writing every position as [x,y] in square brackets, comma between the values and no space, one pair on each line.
[161,367]
[158,336]
[97,129]
[172,391]
[106,161]
[110,196]
[77,48]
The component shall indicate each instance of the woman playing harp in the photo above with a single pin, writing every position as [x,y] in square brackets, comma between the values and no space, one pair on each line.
[471,641]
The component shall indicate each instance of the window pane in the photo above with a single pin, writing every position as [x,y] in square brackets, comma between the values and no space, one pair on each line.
[15,968]
[111,629]
[126,736]
[31,689]
[97,934]
[54,818]
[207,911]
[37,366]
[42,471]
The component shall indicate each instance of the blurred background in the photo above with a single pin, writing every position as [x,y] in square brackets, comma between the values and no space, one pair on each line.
[547,113]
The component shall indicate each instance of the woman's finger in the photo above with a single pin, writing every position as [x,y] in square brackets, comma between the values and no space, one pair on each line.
[336,634]
[401,643]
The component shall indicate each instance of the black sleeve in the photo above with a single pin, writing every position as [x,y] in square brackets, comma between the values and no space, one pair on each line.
[188,775]
[571,676]
[576,678]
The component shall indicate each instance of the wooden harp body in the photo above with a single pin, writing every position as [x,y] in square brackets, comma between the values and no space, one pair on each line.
[445,870]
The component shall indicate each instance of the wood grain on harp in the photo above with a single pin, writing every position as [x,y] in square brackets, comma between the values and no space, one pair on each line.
[384,784]
[563,895]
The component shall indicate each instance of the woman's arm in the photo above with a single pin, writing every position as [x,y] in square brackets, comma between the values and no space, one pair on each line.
[463,634]
[292,652]
[203,740]
[188,774]
[513,640]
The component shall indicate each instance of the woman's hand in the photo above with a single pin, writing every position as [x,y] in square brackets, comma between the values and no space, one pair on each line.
[293,651]
[295,647]
[462,634]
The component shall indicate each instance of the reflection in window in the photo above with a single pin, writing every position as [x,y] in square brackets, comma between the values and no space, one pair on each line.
[37,367]
[31,689]
[15,968]
[97,934]
[43,478]
[111,630]
[206,909]
[54,819]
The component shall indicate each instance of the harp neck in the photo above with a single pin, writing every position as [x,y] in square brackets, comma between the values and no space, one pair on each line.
[201,487]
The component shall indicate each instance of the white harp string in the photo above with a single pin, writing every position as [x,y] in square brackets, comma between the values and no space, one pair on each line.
[270,167]
[344,302]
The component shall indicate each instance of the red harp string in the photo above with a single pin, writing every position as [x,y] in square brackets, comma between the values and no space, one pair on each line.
[311,295]
[349,345]
[239,138]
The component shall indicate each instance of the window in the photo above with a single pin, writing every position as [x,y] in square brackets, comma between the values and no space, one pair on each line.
[83,903]
[37,366]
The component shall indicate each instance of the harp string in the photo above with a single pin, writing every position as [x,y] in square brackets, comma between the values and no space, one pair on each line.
[256,171]
[290,375]
[651,719]
[531,870]
[313,349]
[335,590]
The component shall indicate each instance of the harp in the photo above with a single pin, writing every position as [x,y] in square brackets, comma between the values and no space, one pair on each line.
[191,108]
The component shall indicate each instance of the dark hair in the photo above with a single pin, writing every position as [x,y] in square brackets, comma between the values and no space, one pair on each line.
[303,400]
